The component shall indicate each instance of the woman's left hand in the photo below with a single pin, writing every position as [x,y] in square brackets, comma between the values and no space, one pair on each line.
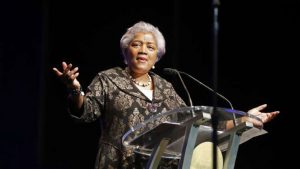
[263,116]
[256,117]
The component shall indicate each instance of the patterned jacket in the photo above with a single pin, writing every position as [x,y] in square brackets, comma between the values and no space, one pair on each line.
[113,99]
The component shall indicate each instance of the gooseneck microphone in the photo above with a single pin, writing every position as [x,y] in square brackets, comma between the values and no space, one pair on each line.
[175,71]
[172,71]
[185,88]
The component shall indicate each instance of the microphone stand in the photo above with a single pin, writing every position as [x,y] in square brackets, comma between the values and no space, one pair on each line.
[235,136]
[215,31]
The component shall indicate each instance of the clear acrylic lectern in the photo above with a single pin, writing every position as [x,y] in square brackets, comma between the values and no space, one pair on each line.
[177,137]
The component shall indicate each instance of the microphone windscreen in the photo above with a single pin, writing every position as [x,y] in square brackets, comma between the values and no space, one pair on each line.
[170,71]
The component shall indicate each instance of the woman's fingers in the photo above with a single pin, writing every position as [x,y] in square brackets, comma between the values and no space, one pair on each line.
[261,107]
[64,65]
[269,116]
[57,72]
[74,71]
[264,116]
[66,68]
[68,75]
[72,77]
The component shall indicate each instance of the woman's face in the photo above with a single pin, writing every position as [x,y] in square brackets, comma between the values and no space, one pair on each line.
[141,53]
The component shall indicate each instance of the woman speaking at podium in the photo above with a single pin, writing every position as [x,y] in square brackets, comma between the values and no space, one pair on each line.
[123,97]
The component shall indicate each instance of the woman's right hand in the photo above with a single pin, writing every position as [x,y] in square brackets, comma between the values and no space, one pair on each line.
[68,75]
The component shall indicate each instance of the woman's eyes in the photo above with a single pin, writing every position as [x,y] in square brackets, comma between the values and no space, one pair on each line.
[136,45]
[151,47]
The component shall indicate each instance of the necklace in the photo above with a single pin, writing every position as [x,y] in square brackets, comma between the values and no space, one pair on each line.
[141,84]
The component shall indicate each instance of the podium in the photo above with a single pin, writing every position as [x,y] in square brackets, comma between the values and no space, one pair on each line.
[184,129]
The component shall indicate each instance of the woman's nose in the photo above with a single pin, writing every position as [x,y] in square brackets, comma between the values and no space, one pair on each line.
[143,49]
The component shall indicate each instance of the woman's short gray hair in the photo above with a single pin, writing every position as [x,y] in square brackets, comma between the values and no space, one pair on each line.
[143,27]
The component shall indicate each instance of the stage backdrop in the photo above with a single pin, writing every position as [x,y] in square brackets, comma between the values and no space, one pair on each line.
[256,64]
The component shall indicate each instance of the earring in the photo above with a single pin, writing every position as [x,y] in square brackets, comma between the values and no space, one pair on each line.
[153,67]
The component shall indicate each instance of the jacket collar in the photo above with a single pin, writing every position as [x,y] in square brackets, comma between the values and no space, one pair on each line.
[121,79]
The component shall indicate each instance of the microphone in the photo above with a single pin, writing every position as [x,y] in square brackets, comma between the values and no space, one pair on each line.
[175,71]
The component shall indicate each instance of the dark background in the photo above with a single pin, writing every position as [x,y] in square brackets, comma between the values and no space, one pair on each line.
[258,49]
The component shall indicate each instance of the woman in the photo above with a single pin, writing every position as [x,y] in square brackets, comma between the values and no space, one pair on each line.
[121,98]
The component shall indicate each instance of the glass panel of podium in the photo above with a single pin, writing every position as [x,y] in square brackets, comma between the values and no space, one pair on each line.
[186,128]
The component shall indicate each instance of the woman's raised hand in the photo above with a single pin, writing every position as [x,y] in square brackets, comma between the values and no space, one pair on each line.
[68,75]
